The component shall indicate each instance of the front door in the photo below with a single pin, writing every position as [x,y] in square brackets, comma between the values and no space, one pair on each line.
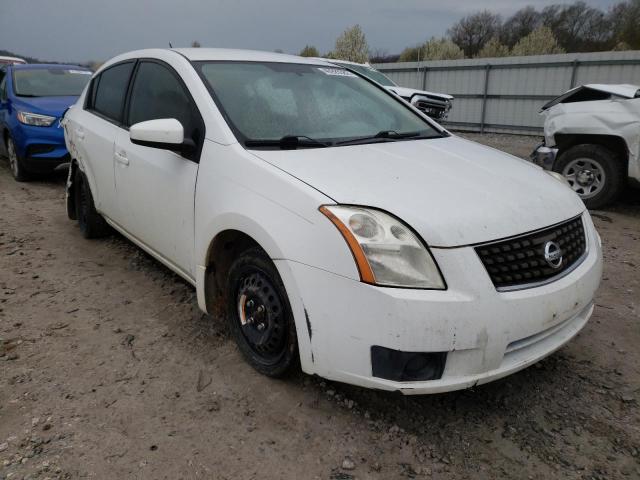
[155,187]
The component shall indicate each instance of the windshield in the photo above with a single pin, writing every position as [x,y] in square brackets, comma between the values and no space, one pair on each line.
[271,101]
[372,74]
[49,82]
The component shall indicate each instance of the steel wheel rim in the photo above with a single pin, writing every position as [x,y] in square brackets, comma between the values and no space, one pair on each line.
[13,157]
[261,317]
[586,176]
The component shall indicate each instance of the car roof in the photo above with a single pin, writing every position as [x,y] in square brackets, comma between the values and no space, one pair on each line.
[35,66]
[204,54]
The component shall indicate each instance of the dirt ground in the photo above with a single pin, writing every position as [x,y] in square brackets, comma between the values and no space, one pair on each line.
[108,370]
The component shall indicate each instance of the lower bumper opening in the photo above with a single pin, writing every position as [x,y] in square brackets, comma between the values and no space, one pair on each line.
[407,366]
[38,149]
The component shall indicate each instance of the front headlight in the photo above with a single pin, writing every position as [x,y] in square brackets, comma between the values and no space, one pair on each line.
[386,251]
[35,119]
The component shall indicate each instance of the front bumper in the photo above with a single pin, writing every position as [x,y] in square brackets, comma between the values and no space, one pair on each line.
[544,156]
[433,108]
[487,334]
[41,149]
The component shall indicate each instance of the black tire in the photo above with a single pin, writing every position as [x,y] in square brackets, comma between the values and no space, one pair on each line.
[272,350]
[92,224]
[598,162]
[15,162]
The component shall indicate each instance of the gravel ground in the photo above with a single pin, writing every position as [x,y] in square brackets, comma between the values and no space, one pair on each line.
[108,370]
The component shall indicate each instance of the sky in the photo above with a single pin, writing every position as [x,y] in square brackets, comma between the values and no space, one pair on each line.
[96,30]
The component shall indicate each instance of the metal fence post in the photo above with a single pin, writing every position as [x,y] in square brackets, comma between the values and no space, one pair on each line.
[424,78]
[484,96]
[574,72]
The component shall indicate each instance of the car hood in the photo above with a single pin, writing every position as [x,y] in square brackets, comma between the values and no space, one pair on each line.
[586,93]
[410,92]
[452,191]
[54,106]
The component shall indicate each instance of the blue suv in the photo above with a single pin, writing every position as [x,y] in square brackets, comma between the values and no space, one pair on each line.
[33,99]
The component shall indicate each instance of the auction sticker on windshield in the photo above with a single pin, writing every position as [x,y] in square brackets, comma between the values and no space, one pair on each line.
[338,72]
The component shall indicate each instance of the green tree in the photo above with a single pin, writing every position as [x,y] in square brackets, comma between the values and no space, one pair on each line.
[539,42]
[309,51]
[351,45]
[493,48]
[433,49]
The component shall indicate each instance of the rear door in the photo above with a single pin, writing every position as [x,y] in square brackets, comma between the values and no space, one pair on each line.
[93,131]
[155,188]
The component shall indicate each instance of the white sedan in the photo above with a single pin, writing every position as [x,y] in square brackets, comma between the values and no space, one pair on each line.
[343,229]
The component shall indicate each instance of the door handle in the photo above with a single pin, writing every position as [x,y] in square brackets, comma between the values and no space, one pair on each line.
[121,158]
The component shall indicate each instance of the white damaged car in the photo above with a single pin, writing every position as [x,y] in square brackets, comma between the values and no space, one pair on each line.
[341,228]
[592,138]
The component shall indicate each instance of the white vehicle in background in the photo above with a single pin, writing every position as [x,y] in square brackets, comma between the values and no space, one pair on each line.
[343,231]
[435,105]
[592,138]
[11,60]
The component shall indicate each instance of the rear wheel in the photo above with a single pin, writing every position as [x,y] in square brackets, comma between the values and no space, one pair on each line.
[594,172]
[259,314]
[92,224]
[17,169]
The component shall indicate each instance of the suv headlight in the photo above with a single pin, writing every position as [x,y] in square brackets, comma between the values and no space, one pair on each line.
[386,251]
[35,119]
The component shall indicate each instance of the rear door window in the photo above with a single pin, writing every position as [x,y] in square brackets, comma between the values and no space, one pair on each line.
[109,91]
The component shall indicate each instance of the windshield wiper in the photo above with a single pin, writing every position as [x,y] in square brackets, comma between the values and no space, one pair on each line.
[383,135]
[288,142]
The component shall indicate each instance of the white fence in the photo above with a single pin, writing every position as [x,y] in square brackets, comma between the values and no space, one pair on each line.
[505,94]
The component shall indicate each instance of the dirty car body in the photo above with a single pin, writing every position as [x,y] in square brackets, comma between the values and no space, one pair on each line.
[388,267]
[607,116]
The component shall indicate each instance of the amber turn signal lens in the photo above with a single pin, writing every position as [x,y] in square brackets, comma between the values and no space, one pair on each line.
[366,274]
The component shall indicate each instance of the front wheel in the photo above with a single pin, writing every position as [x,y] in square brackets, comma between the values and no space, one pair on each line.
[259,314]
[17,169]
[594,172]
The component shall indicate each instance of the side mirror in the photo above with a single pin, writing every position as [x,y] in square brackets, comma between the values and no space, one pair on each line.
[164,133]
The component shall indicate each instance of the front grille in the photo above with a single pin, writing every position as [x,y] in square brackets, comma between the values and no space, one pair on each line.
[436,113]
[435,108]
[520,262]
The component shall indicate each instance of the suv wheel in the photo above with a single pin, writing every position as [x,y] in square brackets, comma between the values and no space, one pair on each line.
[594,172]
[17,170]
[259,314]
[92,224]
